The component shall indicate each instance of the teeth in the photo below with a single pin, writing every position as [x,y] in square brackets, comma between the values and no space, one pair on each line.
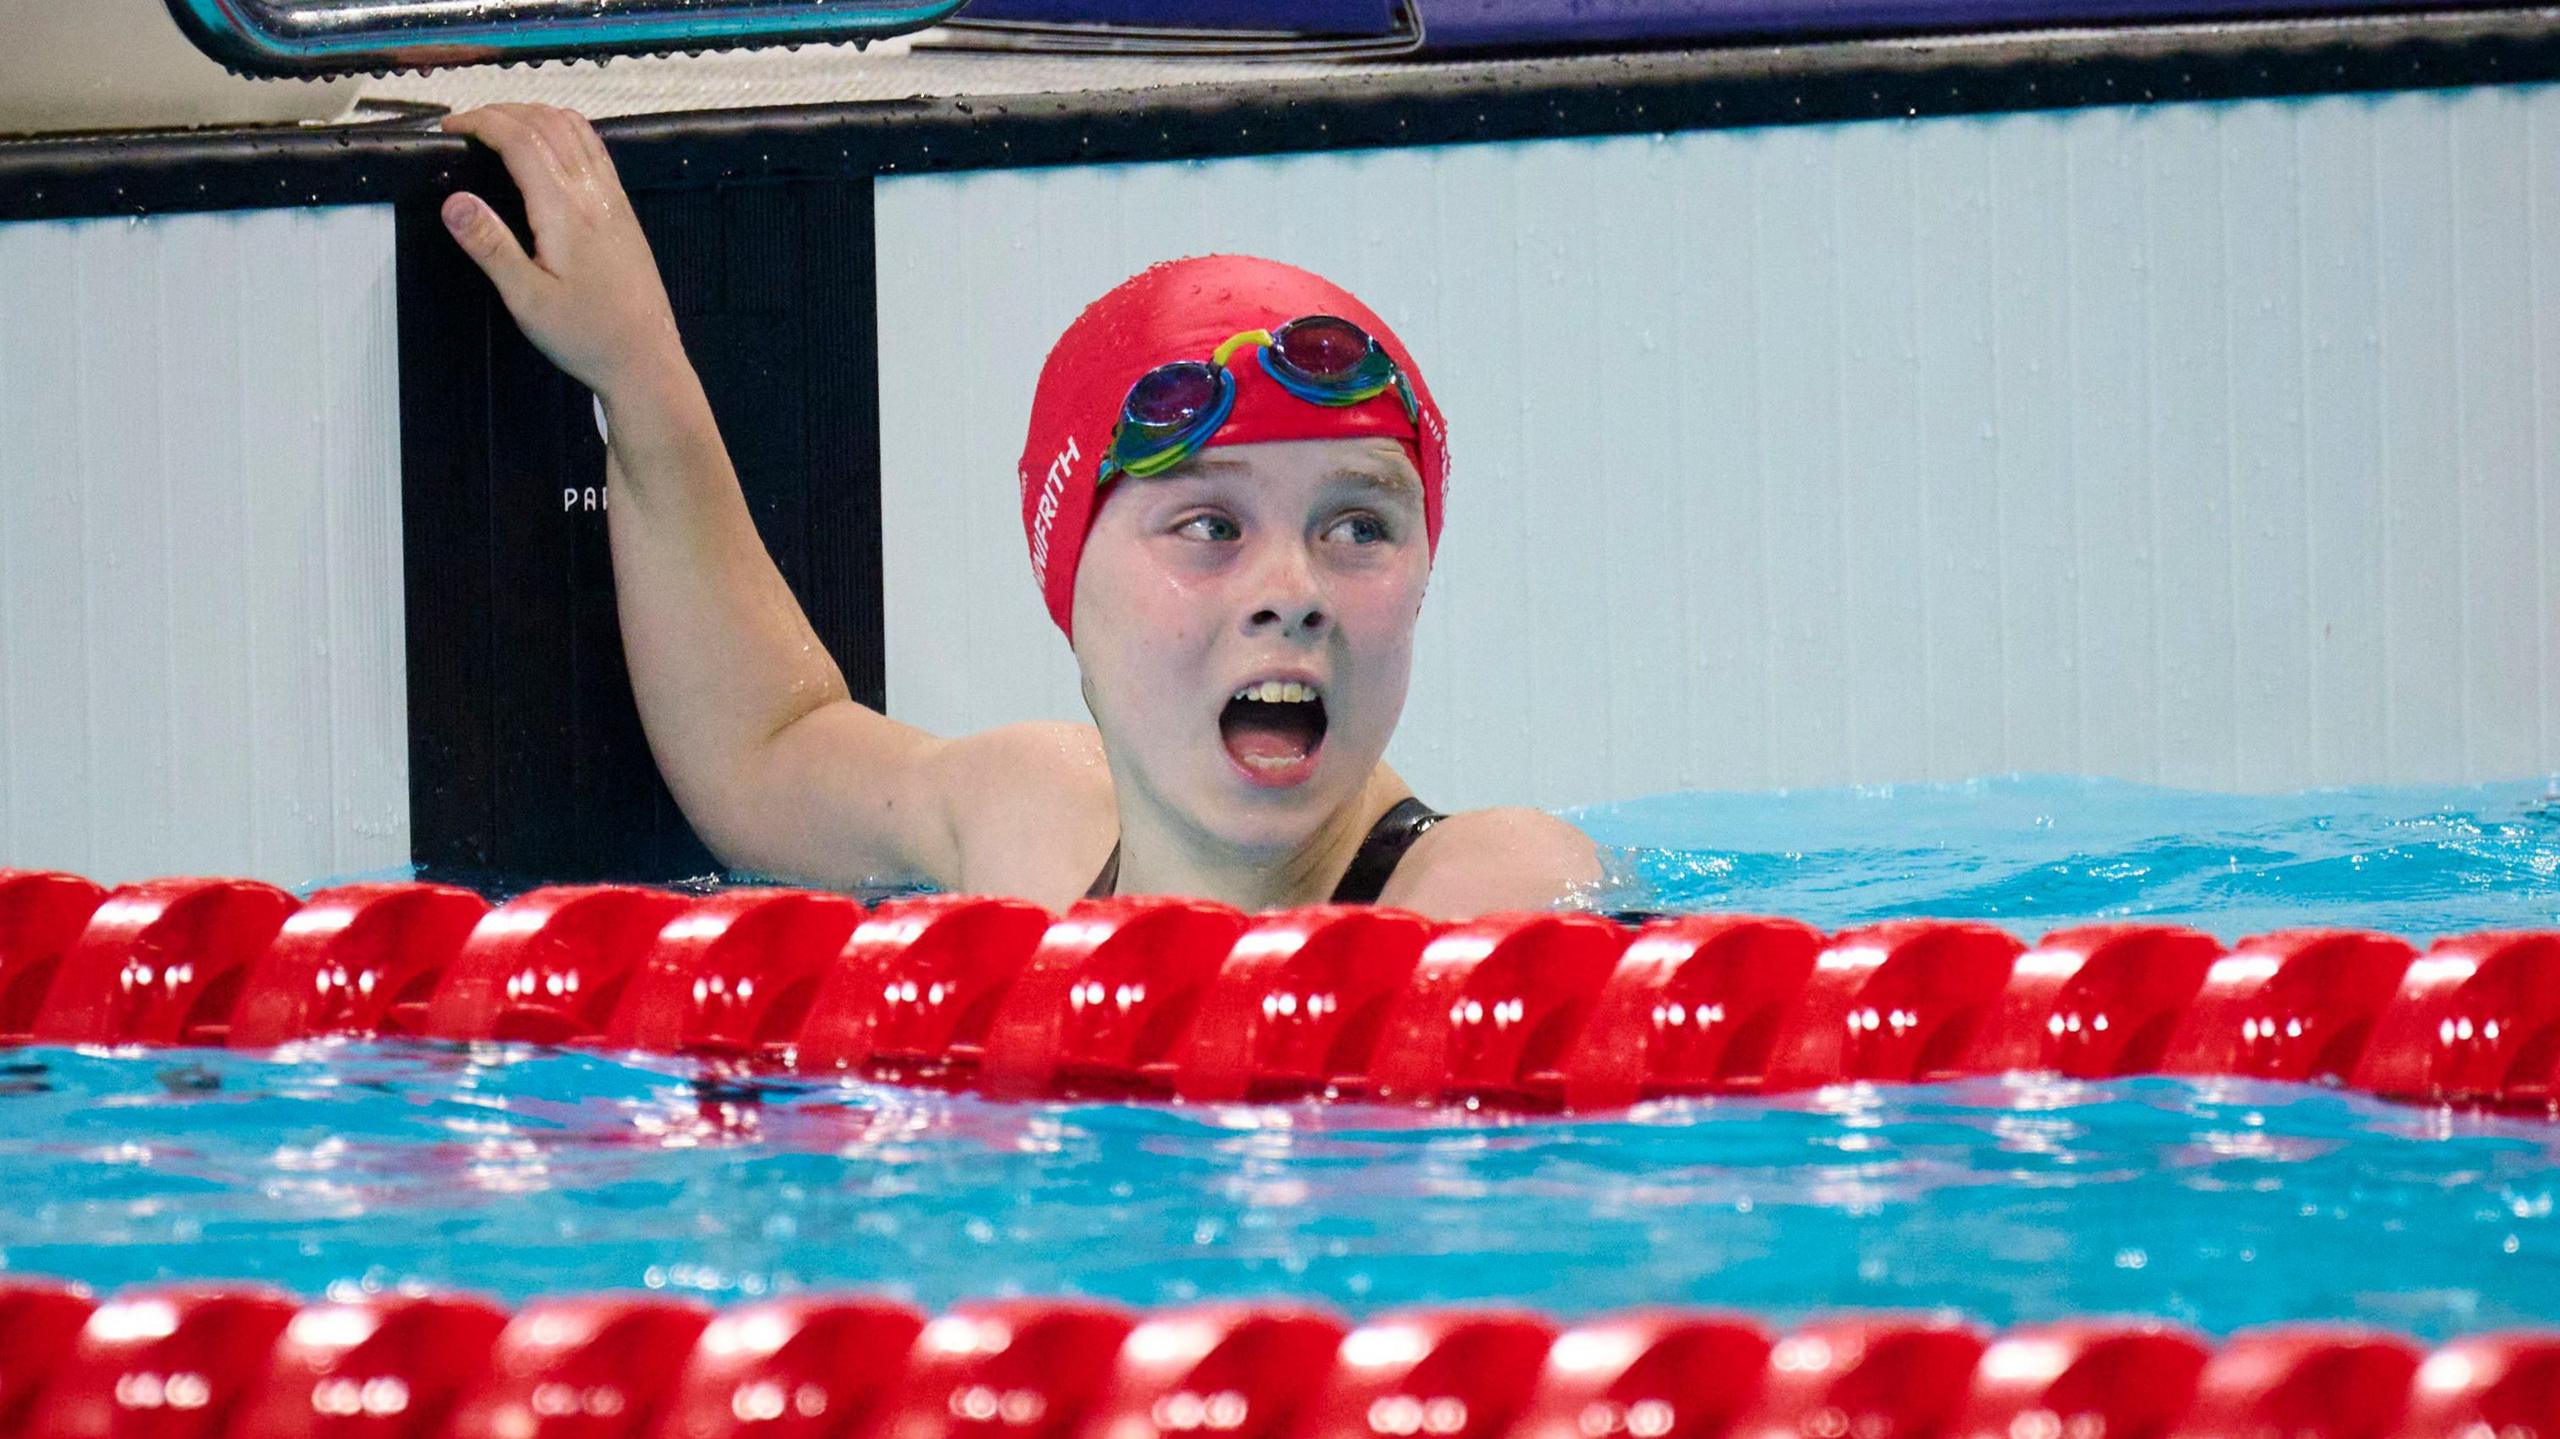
[1274,692]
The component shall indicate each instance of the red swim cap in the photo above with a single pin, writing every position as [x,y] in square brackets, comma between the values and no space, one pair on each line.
[1182,310]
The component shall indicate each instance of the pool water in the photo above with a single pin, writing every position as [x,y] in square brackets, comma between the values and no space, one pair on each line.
[345,1167]
[2037,853]
[371,1166]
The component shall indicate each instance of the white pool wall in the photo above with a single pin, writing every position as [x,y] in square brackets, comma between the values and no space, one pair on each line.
[201,641]
[2210,445]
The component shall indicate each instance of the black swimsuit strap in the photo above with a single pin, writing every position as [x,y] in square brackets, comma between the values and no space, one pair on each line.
[1383,850]
[1375,862]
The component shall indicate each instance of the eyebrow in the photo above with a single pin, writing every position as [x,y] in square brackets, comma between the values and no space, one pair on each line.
[1398,482]
[1208,462]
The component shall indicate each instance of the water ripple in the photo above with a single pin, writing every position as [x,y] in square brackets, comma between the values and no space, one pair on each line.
[341,1168]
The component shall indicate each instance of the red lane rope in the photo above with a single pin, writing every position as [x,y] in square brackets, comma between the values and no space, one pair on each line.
[244,1362]
[1182,999]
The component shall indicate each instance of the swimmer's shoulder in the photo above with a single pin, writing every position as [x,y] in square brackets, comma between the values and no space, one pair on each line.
[1494,859]
[1031,808]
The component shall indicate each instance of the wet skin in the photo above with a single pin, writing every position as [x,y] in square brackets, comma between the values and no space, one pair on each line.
[1300,561]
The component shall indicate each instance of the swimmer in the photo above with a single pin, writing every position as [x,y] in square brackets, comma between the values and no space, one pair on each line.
[1231,496]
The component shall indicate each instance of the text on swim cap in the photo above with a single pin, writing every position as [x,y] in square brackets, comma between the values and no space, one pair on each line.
[1045,515]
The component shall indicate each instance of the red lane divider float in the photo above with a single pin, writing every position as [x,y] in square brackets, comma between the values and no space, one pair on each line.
[1216,1372]
[2490,1383]
[161,963]
[2082,1379]
[734,974]
[791,1369]
[1446,1374]
[548,967]
[170,1362]
[2317,1381]
[2476,1019]
[1893,1002]
[388,1365]
[39,1323]
[2295,1004]
[2094,1002]
[1487,1010]
[1295,1008]
[1658,1374]
[1104,997]
[1151,999]
[580,1368]
[1887,1378]
[916,986]
[1008,1369]
[41,917]
[1691,1007]
[362,960]
[212,1362]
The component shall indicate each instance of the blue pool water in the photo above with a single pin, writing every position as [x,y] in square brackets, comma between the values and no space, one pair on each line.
[338,1167]
[2037,853]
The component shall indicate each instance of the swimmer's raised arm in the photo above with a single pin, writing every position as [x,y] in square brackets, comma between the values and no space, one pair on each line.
[750,719]
[1237,553]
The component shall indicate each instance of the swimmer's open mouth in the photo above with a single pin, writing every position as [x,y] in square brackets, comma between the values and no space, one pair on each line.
[1273,729]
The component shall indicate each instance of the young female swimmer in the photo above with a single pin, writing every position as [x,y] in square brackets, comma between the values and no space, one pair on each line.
[1231,492]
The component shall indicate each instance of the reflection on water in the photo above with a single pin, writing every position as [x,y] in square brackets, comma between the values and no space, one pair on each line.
[336,1167]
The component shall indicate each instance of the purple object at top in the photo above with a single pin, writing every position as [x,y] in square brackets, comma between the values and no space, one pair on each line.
[1301,17]
[1553,24]
[1473,24]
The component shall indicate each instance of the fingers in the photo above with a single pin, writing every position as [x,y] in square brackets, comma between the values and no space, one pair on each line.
[569,145]
[559,139]
[588,293]
[574,138]
[583,157]
[522,140]
[492,246]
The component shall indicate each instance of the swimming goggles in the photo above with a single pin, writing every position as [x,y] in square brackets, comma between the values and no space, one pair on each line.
[1174,408]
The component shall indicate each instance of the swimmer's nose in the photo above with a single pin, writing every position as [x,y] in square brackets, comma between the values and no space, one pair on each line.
[1290,600]
[1308,621]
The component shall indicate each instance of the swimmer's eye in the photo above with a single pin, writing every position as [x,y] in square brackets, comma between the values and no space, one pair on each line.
[1217,529]
[1360,530]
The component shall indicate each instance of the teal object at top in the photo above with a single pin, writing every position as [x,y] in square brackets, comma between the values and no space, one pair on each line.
[336,37]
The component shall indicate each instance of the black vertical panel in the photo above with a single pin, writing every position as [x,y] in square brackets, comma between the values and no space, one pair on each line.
[527,754]
[536,605]
[446,533]
[840,320]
